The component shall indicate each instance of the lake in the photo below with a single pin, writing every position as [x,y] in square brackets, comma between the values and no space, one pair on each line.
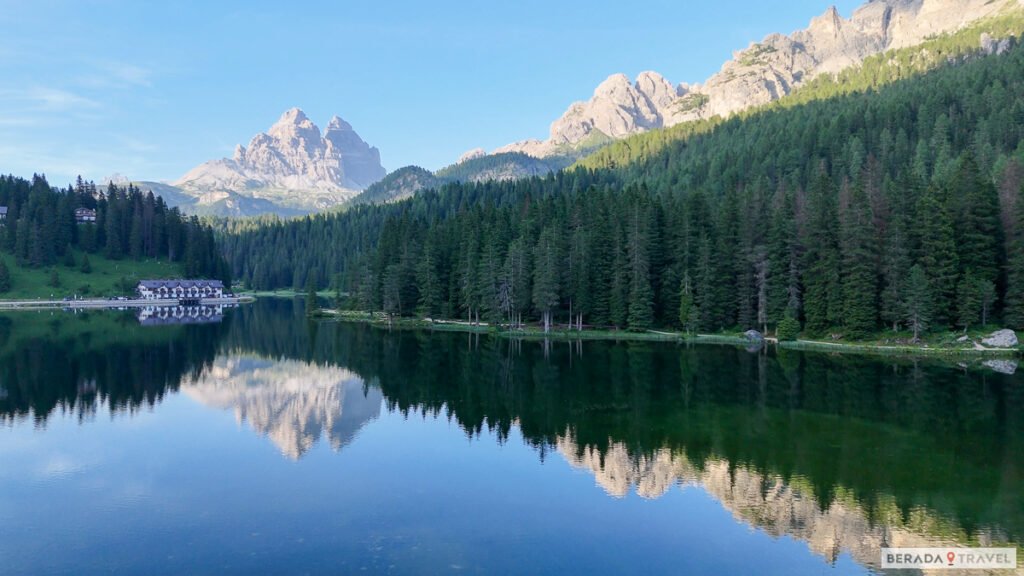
[266,443]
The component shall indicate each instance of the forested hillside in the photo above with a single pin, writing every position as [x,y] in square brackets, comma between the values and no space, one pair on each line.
[874,73]
[869,210]
[41,231]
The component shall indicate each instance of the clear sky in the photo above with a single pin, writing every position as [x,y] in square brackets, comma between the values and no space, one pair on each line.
[150,89]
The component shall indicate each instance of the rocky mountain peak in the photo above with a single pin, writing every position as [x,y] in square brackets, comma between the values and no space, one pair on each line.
[763,72]
[291,163]
[829,23]
[294,124]
[472,155]
[337,123]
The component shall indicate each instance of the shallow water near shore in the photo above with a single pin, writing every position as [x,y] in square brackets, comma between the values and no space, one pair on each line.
[268,443]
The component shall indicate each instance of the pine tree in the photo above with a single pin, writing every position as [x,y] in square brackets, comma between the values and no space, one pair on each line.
[937,255]
[974,204]
[859,282]
[1013,311]
[54,280]
[545,276]
[429,281]
[641,296]
[618,301]
[5,277]
[821,278]
[919,301]
[968,299]
[69,257]
[689,315]
[312,303]
[895,264]
[788,329]
[86,267]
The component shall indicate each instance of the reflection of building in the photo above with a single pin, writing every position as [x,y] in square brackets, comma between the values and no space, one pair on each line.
[85,215]
[777,506]
[291,402]
[179,289]
[160,315]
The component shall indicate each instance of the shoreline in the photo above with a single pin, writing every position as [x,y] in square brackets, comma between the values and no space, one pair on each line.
[105,303]
[851,348]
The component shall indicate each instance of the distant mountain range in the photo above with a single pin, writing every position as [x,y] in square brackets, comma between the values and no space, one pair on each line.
[763,72]
[290,169]
[293,169]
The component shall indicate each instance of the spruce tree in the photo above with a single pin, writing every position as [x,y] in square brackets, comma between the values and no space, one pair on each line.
[895,264]
[821,277]
[974,205]
[689,315]
[968,300]
[859,281]
[86,267]
[545,276]
[641,296]
[937,255]
[312,303]
[919,302]
[5,277]
[1013,311]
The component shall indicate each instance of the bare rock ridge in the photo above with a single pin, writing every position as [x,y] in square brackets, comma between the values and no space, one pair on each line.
[759,74]
[292,164]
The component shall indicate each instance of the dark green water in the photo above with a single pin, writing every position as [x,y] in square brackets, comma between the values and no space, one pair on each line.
[269,444]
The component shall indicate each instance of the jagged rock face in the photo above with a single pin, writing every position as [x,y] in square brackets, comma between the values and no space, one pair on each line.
[291,164]
[763,72]
[617,109]
[292,403]
[360,162]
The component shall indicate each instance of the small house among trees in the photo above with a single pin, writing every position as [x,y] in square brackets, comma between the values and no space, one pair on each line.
[85,215]
[3,214]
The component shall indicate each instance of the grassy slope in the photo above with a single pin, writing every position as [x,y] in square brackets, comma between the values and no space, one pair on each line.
[104,280]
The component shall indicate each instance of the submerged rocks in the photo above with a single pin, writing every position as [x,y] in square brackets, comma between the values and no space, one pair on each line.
[1001,339]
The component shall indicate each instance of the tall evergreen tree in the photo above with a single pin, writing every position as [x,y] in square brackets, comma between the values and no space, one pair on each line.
[5,277]
[821,277]
[937,255]
[859,280]
[919,303]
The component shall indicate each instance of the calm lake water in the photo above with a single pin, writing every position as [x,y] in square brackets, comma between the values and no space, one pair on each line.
[265,443]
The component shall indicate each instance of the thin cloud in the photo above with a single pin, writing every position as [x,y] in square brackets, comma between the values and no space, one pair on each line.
[121,75]
[44,99]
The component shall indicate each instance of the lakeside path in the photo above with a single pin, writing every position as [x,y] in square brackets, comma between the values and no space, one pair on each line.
[103,303]
[972,350]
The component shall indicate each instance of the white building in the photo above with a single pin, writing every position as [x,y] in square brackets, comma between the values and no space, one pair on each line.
[180,289]
[3,214]
[85,215]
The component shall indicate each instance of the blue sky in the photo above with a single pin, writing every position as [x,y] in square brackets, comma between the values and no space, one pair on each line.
[150,89]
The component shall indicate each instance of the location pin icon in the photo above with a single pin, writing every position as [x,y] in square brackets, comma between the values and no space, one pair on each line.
[950,556]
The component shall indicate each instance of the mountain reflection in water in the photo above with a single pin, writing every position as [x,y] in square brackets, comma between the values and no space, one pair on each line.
[847,454]
[290,402]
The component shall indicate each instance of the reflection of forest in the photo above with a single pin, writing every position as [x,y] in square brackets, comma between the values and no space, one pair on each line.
[886,449]
[293,403]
